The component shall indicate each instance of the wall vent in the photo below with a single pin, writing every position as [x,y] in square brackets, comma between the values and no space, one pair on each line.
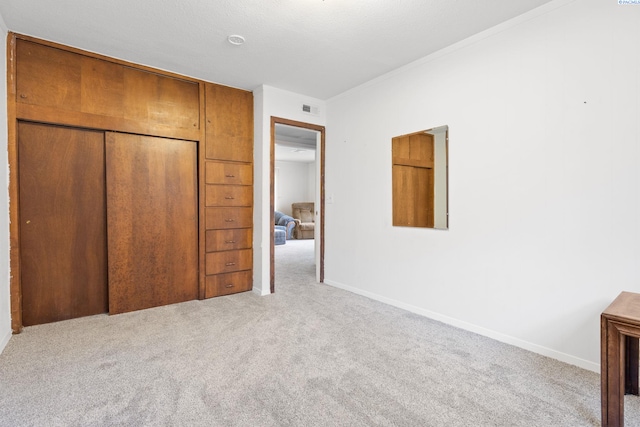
[310,109]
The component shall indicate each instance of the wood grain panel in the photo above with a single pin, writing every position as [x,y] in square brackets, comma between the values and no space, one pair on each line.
[52,77]
[94,121]
[422,148]
[400,147]
[413,180]
[228,195]
[225,240]
[225,218]
[229,283]
[403,204]
[152,221]
[412,196]
[167,101]
[413,150]
[228,173]
[47,76]
[228,261]
[229,124]
[102,88]
[423,196]
[63,223]
[14,193]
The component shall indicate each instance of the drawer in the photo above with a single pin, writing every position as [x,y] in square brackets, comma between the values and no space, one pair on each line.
[229,283]
[228,173]
[228,195]
[226,240]
[223,218]
[228,261]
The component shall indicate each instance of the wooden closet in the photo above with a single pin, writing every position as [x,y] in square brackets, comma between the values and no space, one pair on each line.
[108,163]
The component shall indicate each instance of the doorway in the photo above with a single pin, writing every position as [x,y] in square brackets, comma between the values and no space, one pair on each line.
[280,123]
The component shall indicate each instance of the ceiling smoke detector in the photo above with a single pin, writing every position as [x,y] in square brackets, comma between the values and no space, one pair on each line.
[236,39]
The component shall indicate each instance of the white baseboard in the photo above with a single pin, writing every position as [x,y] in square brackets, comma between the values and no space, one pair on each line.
[261,291]
[5,340]
[563,357]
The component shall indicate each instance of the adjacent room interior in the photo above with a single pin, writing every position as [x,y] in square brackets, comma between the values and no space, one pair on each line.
[296,190]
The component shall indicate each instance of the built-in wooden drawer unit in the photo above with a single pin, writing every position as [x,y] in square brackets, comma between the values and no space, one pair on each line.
[228,173]
[229,283]
[228,191]
[228,261]
[226,240]
[228,195]
[225,218]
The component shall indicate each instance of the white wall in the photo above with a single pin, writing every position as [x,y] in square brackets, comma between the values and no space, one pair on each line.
[311,181]
[544,148]
[271,102]
[5,312]
[292,185]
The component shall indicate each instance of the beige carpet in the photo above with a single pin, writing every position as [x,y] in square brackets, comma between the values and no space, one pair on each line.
[309,355]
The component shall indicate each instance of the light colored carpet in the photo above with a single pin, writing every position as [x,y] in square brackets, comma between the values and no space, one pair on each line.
[309,355]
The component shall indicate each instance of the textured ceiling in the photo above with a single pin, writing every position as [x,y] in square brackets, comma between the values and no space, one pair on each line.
[294,144]
[318,48]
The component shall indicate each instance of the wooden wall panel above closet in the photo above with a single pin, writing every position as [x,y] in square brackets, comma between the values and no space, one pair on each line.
[136,100]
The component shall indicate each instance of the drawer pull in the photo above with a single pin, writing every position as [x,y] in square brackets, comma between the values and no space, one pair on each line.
[229,198]
[230,175]
[230,264]
[229,241]
[229,220]
[229,285]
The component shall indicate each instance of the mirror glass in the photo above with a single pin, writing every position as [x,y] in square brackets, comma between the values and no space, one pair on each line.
[420,169]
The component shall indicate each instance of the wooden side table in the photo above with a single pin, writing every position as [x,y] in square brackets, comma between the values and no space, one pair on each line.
[619,333]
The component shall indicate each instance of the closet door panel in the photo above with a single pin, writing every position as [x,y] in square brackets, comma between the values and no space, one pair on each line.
[63,250]
[152,221]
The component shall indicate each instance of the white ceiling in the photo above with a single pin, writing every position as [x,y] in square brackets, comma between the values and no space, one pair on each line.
[294,154]
[318,48]
[294,144]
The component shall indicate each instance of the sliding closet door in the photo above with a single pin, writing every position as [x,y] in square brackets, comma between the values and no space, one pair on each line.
[63,223]
[152,221]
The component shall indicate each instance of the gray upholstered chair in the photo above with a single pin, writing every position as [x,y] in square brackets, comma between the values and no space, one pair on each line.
[303,213]
[286,223]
